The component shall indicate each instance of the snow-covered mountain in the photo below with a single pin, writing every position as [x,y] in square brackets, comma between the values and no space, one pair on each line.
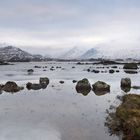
[74,53]
[91,53]
[112,52]
[10,53]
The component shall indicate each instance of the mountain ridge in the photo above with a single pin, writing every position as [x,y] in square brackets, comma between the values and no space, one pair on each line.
[15,54]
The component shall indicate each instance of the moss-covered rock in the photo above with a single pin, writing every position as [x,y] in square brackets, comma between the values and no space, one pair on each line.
[128,117]
[11,86]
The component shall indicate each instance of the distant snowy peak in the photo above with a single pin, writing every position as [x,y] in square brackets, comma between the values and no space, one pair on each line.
[108,52]
[92,53]
[74,53]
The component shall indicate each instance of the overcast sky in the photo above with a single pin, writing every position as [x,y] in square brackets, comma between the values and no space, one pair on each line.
[68,23]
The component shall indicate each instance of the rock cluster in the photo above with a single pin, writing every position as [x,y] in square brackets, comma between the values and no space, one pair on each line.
[43,83]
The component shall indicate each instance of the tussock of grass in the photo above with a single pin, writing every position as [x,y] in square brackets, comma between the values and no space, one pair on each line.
[126,119]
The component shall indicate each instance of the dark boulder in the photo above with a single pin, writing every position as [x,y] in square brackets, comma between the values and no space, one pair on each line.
[83,86]
[114,67]
[95,71]
[61,82]
[117,71]
[11,87]
[101,87]
[37,67]
[33,86]
[30,71]
[126,84]
[44,81]
[130,66]
[111,71]
[74,81]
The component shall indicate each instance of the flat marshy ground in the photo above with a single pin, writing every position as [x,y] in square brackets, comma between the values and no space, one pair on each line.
[59,112]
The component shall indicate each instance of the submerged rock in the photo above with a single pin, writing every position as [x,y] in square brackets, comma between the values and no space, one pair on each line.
[44,81]
[117,71]
[11,87]
[33,86]
[95,71]
[74,81]
[111,71]
[130,66]
[135,87]
[101,87]
[130,71]
[1,88]
[61,82]
[37,67]
[30,71]
[126,118]
[88,70]
[83,86]
[114,67]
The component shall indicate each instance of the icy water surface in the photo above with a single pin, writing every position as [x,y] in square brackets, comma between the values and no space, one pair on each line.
[57,112]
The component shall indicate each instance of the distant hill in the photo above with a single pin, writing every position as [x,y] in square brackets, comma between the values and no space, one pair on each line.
[14,54]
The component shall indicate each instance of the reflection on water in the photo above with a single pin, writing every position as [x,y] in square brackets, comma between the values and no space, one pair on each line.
[84,92]
[126,89]
[100,93]
[130,71]
[58,109]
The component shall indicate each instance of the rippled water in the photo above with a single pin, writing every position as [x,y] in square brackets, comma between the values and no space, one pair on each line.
[57,112]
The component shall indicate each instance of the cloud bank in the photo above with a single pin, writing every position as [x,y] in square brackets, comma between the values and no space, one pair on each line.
[63,23]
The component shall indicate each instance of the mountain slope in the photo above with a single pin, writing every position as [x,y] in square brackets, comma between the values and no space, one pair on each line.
[74,53]
[92,53]
[10,53]
[112,52]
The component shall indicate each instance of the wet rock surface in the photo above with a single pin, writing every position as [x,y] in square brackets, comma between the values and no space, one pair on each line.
[101,86]
[83,86]
[126,84]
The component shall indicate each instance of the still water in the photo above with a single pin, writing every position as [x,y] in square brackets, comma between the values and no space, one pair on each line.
[57,112]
